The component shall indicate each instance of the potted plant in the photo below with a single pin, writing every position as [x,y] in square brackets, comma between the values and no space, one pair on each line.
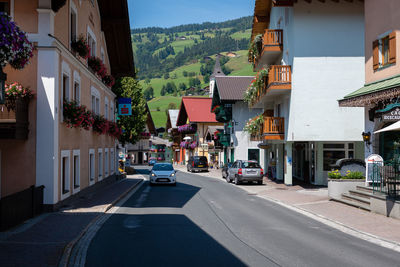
[254,126]
[108,80]
[339,183]
[100,124]
[16,94]
[81,47]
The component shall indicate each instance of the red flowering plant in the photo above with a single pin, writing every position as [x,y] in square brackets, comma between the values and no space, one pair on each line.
[113,129]
[76,116]
[95,64]
[108,80]
[13,92]
[81,47]
[100,124]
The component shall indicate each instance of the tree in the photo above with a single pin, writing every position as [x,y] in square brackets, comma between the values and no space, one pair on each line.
[182,86]
[163,90]
[132,126]
[149,93]
[194,82]
[170,106]
[166,76]
[147,80]
[185,73]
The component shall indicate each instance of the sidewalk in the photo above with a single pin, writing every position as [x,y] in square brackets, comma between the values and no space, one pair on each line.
[42,241]
[314,202]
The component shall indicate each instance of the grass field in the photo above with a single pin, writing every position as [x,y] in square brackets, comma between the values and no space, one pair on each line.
[160,117]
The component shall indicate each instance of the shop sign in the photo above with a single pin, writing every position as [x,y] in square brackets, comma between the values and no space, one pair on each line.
[370,162]
[392,115]
[124,106]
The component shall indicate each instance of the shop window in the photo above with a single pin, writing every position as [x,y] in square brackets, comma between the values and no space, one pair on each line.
[100,164]
[65,174]
[91,166]
[106,162]
[335,151]
[384,51]
[76,169]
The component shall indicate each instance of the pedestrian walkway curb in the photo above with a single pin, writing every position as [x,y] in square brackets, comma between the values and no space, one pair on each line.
[339,226]
[65,258]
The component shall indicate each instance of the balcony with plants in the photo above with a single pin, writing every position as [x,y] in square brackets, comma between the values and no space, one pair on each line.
[265,128]
[187,129]
[273,81]
[266,49]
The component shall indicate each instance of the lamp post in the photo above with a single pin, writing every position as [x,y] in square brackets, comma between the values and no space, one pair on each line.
[3,78]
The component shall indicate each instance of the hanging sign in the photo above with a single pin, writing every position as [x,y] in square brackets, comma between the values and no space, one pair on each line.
[373,164]
[124,106]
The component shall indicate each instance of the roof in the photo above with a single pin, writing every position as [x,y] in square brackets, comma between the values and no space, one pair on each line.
[372,92]
[116,28]
[173,115]
[150,122]
[196,109]
[232,87]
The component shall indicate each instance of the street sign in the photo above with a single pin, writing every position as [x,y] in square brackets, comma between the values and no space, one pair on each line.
[124,106]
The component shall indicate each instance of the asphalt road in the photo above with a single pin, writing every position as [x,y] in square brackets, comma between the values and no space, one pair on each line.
[208,222]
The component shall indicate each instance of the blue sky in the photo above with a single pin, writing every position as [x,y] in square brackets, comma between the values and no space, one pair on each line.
[167,13]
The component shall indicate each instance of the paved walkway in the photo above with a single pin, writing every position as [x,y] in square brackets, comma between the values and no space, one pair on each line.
[42,241]
[315,201]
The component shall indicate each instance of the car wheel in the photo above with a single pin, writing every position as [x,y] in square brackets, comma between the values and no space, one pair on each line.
[228,180]
[236,181]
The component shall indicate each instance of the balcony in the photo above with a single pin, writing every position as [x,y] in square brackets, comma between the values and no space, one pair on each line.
[273,128]
[272,49]
[277,83]
[14,124]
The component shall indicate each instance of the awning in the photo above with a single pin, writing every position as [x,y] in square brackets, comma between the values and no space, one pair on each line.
[393,127]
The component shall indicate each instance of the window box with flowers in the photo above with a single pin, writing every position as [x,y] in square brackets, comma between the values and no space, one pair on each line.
[100,124]
[256,88]
[76,116]
[187,128]
[255,48]
[81,47]
[254,127]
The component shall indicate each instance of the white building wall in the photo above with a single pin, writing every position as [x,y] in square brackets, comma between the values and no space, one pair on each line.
[241,140]
[328,63]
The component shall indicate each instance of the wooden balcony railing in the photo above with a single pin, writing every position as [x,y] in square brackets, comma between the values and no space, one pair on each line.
[14,124]
[274,128]
[273,38]
[280,75]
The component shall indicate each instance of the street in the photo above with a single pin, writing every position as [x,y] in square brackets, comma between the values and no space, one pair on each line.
[207,222]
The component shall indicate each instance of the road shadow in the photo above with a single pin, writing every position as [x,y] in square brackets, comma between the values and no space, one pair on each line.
[156,240]
[162,196]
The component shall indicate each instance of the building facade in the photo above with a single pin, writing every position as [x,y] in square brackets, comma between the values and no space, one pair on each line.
[304,68]
[62,158]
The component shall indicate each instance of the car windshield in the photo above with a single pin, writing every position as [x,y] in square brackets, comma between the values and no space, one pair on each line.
[200,159]
[250,165]
[163,167]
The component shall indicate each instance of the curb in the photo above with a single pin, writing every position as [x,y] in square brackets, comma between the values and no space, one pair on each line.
[70,246]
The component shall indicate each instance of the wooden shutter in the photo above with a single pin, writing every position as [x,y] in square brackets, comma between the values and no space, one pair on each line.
[392,47]
[375,54]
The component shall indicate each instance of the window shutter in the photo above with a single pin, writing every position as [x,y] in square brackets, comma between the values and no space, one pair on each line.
[392,47]
[375,54]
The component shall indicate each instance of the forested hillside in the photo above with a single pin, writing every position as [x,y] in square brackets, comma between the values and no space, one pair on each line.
[177,61]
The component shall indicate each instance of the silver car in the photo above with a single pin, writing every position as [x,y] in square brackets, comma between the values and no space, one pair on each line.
[245,171]
[162,173]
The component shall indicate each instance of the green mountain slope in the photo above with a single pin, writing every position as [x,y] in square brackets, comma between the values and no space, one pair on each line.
[180,59]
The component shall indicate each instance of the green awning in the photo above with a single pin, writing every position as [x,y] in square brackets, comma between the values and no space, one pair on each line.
[375,87]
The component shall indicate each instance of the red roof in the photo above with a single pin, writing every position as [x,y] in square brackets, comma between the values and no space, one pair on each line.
[198,109]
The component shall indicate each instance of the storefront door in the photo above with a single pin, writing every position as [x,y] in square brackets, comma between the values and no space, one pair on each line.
[387,146]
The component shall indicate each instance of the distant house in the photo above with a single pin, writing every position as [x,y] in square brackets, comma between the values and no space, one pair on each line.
[231,54]
[182,38]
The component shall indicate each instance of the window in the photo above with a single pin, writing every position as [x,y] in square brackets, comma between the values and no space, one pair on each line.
[76,170]
[65,173]
[102,55]
[65,87]
[73,22]
[77,87]
[384,51]
[95,100]
[5,6]
[106,108]
[335,151]
[106,162]
[100,164]
[112,115]
[91,166]
[91,40]
[112,160]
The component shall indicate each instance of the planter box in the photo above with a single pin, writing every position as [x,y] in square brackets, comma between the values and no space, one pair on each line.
[336,187]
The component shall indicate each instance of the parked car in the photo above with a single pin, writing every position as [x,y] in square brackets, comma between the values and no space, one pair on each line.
[152,162]
[197,163]
[162,173]
[224,170]
[245,171]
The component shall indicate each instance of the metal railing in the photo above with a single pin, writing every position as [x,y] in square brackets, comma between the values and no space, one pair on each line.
[386,178]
